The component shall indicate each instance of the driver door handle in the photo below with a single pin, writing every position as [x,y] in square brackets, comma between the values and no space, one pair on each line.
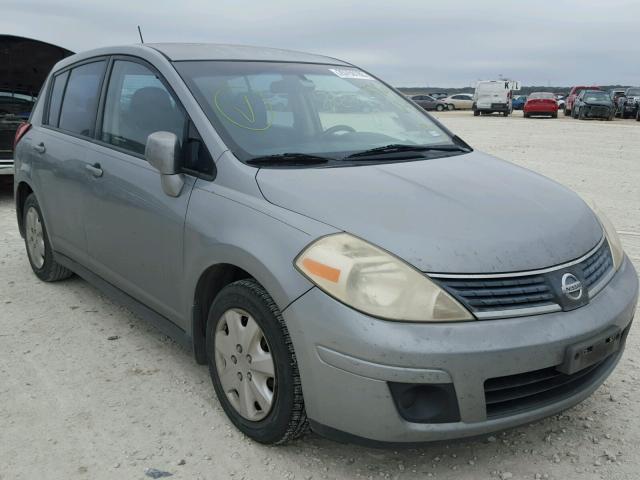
[95,169]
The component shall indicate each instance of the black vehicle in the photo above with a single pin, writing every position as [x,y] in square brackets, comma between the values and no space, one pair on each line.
[429,103]
[14,109]
[628,103]
[593,104]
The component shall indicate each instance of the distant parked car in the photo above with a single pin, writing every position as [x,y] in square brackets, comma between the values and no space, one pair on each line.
[460,101]
[593,104]
[541,103]
[627,103]
[560,100]
[568,103]
[429,103]
[518,102]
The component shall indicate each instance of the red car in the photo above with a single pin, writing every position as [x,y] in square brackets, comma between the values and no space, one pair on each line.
[568,104]
[541,103]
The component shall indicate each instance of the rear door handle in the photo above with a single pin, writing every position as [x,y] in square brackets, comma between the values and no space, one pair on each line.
[95,169]
[40,148]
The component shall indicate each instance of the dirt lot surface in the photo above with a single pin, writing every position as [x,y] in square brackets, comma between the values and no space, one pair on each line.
[76,405]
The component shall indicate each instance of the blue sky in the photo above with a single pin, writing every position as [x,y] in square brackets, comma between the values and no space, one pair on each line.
[408,43]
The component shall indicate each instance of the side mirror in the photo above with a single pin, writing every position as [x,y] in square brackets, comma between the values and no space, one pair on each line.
[163,153]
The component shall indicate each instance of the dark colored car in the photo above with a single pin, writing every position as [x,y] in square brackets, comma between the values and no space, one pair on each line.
[518,102]
[15,108]
[627,103]
[571,98]
[429,103]
[593,104]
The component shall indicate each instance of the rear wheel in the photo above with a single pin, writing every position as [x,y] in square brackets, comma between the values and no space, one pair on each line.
[554,115]
[439,107]
[476,113]
[253,365]
[39,249]
[451,106]
[567,112]
[638,115]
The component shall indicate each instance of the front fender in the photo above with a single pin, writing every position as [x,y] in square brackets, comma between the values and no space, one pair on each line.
[222,230]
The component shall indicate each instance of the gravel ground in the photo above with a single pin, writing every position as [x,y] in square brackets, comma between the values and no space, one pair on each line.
[89,391]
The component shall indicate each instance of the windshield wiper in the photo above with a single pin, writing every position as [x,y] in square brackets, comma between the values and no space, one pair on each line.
[288,159]
[401,148]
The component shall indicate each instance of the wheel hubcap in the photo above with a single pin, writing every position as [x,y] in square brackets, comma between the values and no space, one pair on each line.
[35,237]
[244,364]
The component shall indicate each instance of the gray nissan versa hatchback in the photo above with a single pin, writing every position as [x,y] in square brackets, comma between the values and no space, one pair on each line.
[336,255]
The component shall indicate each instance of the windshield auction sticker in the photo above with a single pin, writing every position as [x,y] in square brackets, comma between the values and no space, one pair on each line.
[350,73]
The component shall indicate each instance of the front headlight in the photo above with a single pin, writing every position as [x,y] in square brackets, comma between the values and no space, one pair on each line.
[611,235]
[375,282]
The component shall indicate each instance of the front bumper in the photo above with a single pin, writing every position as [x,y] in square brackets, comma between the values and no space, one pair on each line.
[347,361]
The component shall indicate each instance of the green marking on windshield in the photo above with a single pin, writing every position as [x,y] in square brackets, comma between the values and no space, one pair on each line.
[246,111]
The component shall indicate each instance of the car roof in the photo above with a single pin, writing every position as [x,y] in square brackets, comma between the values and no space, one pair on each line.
[206,51]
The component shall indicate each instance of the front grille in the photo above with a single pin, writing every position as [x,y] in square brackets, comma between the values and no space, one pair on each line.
[502,293]
[527,391]
[598,111]
[488,296]
[597,265]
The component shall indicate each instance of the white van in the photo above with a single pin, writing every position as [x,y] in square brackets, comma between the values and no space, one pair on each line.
[494,96]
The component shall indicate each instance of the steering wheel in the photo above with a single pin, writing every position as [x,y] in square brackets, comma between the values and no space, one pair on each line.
[338,128]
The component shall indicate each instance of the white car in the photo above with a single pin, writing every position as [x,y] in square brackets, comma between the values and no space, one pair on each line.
[460,101]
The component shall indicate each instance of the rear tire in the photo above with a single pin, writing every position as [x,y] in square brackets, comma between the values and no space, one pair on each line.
[439,108]
[36,239]
[567,112]
[451,106]
[554,115]
[247,302]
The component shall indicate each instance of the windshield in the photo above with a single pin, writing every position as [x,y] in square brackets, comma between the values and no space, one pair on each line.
[267,108]
[634,92]
[595,96]
[542,95]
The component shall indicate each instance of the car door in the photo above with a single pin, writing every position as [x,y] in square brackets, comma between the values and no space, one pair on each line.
[463,102]
[58,154]
[135,230]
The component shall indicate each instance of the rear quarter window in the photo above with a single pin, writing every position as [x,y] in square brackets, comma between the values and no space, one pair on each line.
[55,100]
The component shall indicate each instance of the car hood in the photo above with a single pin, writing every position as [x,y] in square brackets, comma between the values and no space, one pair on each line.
[602,103]
[468,213]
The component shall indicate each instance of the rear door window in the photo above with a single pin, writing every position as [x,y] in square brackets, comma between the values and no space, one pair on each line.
[80,102]
[55,101]
[137,105]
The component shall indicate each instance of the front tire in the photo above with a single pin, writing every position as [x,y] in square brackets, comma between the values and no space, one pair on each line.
[476,113]
[38,246]
[253,365]
[439,108]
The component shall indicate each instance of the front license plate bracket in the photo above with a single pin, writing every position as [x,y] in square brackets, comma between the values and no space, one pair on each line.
[593,350]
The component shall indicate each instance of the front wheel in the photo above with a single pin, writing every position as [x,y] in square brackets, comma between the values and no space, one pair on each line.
[39,249]
[567,112]
[253,365]
[476,113]
[451,106]
[439,108]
